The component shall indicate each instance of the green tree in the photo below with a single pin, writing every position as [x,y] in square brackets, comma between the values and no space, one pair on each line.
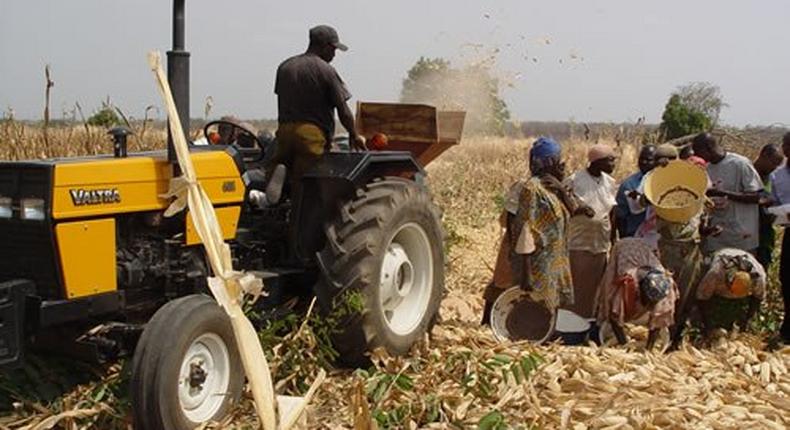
[106,116]
[424,77]
[472,89]
[680,120]
[702,97]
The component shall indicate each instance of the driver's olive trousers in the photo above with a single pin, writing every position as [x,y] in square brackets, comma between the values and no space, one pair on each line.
[299,146]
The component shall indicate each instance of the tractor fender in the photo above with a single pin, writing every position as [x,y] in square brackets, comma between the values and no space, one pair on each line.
[359,168]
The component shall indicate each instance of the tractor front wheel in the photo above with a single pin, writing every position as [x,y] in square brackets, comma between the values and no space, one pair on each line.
[186,368]
[383,269]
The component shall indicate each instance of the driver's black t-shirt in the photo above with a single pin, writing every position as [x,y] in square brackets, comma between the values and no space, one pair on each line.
[308,90]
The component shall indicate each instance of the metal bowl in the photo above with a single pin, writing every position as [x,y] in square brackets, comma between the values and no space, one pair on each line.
[516,316]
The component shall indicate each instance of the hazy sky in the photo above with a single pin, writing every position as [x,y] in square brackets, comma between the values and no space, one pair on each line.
[583,60]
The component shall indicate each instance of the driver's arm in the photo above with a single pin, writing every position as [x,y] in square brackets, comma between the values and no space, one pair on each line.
[339,96]
[347,119]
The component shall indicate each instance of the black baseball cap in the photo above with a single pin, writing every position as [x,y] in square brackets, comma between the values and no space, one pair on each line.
[324,34]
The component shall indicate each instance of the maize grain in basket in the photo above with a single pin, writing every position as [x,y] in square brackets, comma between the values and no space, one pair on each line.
[678,197]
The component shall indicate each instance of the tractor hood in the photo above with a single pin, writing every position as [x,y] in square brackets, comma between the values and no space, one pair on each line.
[105,185]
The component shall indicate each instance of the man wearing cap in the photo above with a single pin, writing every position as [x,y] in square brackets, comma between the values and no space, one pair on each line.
[590,232]
[308,91]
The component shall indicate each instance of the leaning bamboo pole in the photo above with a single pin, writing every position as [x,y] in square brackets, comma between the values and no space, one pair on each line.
[228,286]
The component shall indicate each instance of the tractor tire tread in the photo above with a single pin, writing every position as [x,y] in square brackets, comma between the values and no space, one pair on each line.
[352,262]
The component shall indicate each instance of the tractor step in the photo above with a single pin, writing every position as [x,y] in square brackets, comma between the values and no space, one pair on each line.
[100,344]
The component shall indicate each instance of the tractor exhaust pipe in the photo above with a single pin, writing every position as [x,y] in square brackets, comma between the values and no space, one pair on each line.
[178,74]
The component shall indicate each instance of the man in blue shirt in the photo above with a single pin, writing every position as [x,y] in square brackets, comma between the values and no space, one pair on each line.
[780,190]
[627,221]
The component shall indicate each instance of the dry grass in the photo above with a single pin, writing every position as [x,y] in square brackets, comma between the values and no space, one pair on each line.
[460,377]
[23,141]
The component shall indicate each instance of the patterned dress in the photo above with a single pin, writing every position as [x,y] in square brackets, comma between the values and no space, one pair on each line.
[545,219]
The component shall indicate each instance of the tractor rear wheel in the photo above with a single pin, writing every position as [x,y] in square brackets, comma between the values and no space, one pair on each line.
[386,248]
[186,368]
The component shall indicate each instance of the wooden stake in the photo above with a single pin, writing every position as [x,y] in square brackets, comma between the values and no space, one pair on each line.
[50,84]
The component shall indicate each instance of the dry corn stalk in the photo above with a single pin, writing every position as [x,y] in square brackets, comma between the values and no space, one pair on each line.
[227,285]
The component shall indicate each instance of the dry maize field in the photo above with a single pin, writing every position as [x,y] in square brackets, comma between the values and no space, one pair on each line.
[459,376]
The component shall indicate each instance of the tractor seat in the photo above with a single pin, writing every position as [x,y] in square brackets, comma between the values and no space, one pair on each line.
[259,192]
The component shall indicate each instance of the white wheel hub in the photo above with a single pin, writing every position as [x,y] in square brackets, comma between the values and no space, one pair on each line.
[398,272]
[204,378]
[406,278]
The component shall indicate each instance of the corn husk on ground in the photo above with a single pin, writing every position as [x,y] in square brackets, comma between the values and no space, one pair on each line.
[730,386]
[459,377]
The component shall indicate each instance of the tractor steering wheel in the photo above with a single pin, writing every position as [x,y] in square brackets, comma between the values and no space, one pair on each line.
[233,134]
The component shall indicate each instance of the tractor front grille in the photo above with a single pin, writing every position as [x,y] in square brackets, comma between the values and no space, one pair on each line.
[27,247]
[27,251]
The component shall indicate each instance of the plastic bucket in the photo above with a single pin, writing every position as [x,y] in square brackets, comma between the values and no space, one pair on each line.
[677,191]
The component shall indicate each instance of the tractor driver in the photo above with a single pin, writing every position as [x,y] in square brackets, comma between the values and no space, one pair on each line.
[308,91]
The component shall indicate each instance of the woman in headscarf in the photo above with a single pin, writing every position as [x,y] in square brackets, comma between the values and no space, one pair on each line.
[533,253]
[635,283]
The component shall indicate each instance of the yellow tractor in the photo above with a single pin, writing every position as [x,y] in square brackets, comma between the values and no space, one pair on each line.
[90,264]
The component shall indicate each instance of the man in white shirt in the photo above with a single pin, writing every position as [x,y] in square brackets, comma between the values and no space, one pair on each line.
[735,190]
[590,232]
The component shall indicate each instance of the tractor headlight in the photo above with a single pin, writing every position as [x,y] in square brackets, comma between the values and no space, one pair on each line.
[32,209]
[5,207]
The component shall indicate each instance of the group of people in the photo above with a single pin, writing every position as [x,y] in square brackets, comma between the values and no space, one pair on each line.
[606,253]
[583,243]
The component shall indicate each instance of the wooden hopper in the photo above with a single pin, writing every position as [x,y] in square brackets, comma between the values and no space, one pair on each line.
[419,129]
